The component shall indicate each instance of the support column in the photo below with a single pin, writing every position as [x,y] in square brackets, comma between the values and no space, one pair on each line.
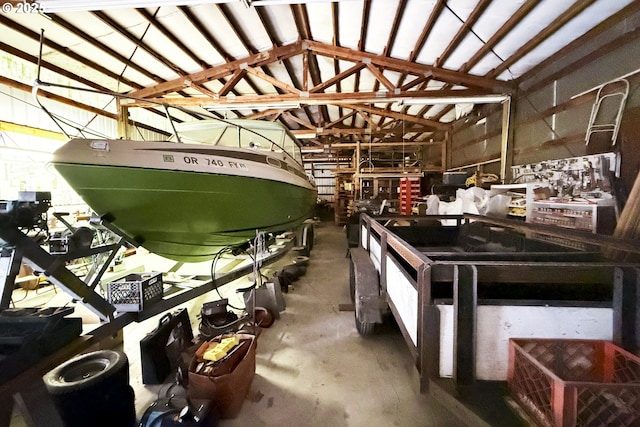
[123,120]
[506,151]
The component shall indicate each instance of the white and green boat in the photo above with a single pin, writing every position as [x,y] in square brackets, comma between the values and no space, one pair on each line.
[216,186]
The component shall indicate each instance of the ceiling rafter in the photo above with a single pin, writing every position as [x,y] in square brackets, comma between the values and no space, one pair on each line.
[138,42]
[103,47]
[219,71]
[48,65]
[394,114]
[269,29]
[578,7]
[391,39]
[287,71]
[576,44]
[335,23]
[301,18]
[209,37]
[175,40]
[544,34]
[489,45]
[335,80]
[464,30]
[275,82]
[409,67]
[304,99]
[499,35]
[380,77]
[301,122]
[242,37]
[62,49]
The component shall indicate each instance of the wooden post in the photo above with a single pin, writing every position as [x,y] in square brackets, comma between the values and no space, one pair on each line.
[506,151]
[123,120]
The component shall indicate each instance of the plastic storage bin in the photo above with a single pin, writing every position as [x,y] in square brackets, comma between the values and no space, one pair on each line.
[575,382]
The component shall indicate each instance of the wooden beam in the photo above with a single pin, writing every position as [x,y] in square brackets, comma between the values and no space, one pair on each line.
[350,145]
[578,7]
[337,78]
[311,99]
[232,82]
[277,83]
[506,28]
[67,52]
[31,131]
[466,27]
[441,74]
[220,71]
[400,116]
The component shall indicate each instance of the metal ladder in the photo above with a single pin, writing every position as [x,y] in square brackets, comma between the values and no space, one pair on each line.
[607,109]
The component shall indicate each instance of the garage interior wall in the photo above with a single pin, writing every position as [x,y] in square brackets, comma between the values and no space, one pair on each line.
[551,110]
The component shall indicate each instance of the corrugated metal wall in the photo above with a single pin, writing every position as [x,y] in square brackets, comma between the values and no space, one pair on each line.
[551,110]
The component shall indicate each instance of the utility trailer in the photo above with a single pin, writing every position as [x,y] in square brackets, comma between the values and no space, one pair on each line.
[459,287]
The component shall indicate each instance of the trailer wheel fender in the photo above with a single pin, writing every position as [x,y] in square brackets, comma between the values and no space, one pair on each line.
[366,291]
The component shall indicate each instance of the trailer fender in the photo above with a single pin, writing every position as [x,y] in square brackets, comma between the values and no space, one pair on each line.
[367,299]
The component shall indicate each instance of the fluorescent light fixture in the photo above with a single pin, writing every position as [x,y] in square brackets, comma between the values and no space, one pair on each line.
[305,135]
[391,175]
[257,106]
[312,150]
[58,6]
[480,99]
[272,2]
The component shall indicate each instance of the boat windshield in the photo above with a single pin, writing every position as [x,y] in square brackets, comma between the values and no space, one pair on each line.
[268,138]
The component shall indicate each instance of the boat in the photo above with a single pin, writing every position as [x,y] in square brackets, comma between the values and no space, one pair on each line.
[213,185]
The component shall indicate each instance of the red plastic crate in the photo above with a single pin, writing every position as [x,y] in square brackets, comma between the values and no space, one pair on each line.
[575,382]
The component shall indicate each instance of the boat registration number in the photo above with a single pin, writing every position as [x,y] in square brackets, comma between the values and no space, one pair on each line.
[206,161]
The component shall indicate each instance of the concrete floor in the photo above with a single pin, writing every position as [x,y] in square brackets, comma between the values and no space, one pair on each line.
[313,368]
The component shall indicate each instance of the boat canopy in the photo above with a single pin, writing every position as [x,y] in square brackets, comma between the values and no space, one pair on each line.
[254,134]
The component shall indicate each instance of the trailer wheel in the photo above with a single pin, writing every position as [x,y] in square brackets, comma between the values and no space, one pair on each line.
[352,282]
[364,329]
[365,291]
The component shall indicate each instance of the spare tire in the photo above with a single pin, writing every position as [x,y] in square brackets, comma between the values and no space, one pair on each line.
[93,390]
[101,368]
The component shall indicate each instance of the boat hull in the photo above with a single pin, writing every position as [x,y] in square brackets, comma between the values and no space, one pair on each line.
[187,201]
[188,216]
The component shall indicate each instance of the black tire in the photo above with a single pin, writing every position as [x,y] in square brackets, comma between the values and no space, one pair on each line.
[364,329]
[300,250]
[310,238]
[114,406]
[93,390]
[294,271]
[352,282]
[89,371]
[301,261]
